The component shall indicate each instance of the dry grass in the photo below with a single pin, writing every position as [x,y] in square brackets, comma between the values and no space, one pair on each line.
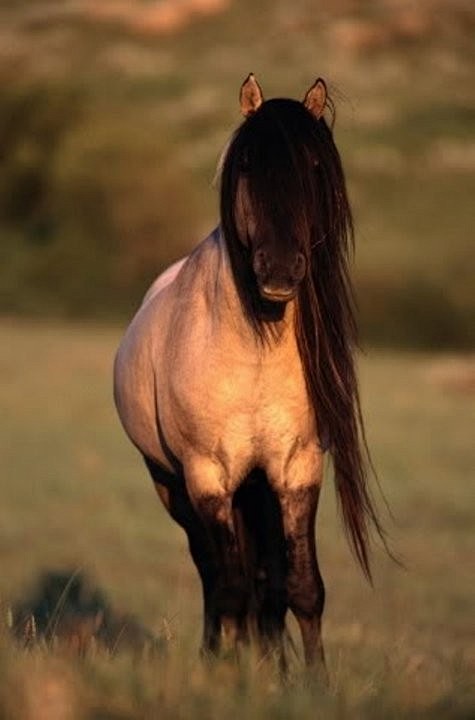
[76,495]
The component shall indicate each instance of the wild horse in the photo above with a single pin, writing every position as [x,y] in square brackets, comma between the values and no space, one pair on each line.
[237,375]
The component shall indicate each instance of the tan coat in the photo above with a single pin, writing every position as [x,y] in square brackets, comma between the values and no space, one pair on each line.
[225,403]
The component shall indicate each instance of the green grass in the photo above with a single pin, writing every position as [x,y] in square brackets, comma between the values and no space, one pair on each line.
[75,494]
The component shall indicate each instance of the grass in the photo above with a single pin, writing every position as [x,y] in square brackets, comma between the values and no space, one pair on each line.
[75,494]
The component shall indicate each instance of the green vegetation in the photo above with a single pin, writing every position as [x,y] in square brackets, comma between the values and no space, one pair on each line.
[110,130]
[75,494]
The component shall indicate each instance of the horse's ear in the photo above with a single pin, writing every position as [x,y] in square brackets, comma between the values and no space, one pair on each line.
[316,98]
[250,97]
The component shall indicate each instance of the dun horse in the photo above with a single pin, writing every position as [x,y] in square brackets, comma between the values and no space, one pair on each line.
[237,375]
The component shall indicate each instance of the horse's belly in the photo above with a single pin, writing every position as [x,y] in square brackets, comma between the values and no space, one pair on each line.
[135,376]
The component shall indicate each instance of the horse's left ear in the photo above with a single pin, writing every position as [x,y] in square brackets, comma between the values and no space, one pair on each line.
[250,97]
[316,98]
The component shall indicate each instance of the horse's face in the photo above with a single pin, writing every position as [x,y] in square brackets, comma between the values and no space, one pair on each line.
[277,254]
[274,160]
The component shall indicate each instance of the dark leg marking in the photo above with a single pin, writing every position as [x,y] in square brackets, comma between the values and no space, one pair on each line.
[266,559]
[229,598]
[172,490]
[305,589]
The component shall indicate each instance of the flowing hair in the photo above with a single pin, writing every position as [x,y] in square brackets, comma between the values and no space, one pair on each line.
[297,186]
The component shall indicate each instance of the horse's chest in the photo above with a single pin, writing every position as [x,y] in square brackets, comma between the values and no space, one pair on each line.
[242,411]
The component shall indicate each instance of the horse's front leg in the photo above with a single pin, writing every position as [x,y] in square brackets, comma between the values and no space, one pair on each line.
[208,487]
[305,589]
[174,495]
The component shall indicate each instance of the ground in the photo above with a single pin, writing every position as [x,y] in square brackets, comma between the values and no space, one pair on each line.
[75,494]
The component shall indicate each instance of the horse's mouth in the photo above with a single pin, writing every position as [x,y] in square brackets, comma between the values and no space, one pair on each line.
[276,294]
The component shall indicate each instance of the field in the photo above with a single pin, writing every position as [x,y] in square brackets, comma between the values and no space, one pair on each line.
[75,495]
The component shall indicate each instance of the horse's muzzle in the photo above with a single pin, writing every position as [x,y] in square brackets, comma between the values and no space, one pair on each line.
[278,280]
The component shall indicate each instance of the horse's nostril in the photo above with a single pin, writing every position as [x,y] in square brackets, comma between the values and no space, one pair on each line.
[259,262]
[299,267]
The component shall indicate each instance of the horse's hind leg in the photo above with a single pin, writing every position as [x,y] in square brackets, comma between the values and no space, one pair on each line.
[174,495]
[305,589]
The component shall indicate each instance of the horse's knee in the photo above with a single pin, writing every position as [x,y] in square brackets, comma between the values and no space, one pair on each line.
[214,508]
[306,598]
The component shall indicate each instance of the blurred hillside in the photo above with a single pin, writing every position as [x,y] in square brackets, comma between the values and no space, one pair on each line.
[113,115]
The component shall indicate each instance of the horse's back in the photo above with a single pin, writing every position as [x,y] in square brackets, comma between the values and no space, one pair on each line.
[163,280]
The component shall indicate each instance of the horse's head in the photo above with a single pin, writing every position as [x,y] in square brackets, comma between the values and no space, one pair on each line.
[278,258]
[269,197]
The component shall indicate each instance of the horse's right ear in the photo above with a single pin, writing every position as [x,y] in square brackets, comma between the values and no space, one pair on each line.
[316,98]
[250,97]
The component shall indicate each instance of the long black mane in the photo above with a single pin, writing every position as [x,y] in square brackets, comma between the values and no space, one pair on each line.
[297,185]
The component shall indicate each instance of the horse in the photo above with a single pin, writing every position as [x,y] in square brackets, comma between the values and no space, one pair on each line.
[237,375]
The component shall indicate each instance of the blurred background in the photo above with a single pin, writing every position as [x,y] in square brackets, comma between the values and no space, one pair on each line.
[113,115]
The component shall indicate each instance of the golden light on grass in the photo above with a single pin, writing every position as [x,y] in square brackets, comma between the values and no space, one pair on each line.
[40,687]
